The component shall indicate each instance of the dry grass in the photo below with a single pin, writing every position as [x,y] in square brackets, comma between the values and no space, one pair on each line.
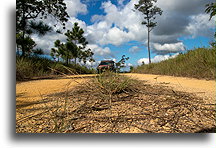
[111,103]
[198,63]
[27,68]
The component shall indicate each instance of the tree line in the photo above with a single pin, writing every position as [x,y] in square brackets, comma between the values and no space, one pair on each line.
[74,48]
[29,20]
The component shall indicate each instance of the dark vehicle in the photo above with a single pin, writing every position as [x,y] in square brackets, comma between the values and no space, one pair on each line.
[106,65]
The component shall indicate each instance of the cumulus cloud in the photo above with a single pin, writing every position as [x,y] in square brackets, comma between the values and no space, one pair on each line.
[89,64]
[81,23]
[183,7]
[200,25]
[116,36]
[168,48]
[143,61]
[120,24]
[97,18]
[134,49]
[156,59]
[129,64]
[177,17]
[74,7]
[47,42]
[99,51]
[117,26]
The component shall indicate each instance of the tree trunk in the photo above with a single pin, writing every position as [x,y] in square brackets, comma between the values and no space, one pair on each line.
[24,30]
[23,50]
[149,54]
[17,52]
[22,44]
[66,60]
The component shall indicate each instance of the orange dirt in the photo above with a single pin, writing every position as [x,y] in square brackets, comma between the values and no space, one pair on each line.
[31,96]
[34,90]
[202,88]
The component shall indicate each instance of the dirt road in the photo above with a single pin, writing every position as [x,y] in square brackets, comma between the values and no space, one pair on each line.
[31,94]
[202,88]
[35,90]
[37,102]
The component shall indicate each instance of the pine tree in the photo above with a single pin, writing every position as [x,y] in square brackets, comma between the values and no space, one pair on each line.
[149,10]
[29,10]
[76,37]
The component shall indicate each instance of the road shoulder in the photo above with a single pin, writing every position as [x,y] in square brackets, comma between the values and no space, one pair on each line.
[200,88]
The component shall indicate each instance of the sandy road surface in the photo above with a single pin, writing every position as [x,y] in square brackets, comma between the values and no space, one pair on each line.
[31,94]
[33,100]
[35,90]
[202,88]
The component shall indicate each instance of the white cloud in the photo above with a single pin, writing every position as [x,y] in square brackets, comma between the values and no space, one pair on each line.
[97,18]
[47,42]
[159,58]
[114,59]
[156,59]
[90,64]
[134,49]
[99,51]
[74,7]
[116,36]
[168,48]
[117,26]
[143,60]
[71,22]
[121,2]
[121,24]
[176,17]
[200,25]
[183,7]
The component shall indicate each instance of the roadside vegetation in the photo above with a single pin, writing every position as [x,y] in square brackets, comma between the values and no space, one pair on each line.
[65,55]
[198,63]
[31,67]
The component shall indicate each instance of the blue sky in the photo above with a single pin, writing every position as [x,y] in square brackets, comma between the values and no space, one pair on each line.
[113,29]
